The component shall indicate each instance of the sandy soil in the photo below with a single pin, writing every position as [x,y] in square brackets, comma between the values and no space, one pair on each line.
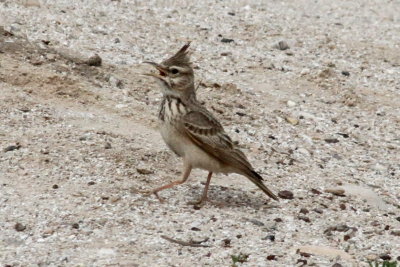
[320,119]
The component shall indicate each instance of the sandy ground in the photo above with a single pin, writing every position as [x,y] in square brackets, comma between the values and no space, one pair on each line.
[320,119]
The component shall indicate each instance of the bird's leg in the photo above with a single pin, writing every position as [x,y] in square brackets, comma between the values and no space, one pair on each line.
[203,199]
[185,176]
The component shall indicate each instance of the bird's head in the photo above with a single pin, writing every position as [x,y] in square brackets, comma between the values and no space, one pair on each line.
[175,73]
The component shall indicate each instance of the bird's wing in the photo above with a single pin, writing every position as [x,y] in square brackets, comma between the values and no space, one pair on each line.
[208,134]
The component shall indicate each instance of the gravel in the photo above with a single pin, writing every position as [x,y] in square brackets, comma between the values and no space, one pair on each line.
[318,119]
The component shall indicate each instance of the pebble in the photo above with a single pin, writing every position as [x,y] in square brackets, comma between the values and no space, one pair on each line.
[292,120]
[285,194]
[304,218]
[31,3]
[385,257]
[94,60]
[305,72]
[291,103]
[282,45]
[19,227]
[12,148]
[107,145]
[304,210]
[144,171]
[345,73]
[227,40]
[331,140]
[337,265]
[336,192]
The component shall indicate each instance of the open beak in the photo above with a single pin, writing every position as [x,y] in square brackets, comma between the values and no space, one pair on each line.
[162,71]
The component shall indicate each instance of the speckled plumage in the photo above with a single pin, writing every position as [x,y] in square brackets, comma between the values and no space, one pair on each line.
[191,131]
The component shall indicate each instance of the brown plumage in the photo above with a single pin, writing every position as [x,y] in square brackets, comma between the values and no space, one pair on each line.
[191,131]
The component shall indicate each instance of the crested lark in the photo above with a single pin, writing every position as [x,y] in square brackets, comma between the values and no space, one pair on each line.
[191,131]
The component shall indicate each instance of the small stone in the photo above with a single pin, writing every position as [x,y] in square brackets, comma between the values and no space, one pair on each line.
[385,257]
[304,210]
[336,192]
[346,73]
[91,183]
[271,257]
[231,13]
[12,148]
[225,54]
[227,40]
[315,191]
[195,229]
[320,211]
[285,194]
[292,120]
[226,243]
[371,257]
[331,140]
[117,40]
[75,225]
[114,199]
[19,227]
[304,72]
[144,171]
[337,265]
[107,145]
[304,218]
[55,186]
[278,220]
[290,103]
[32,3]
[256,222]
[398,219]
[269,237]
[282,45]
[342,206]
[94,60]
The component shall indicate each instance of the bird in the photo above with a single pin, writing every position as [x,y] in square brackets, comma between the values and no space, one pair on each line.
[191,131]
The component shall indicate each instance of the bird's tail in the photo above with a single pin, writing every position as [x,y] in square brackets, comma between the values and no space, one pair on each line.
[257,180]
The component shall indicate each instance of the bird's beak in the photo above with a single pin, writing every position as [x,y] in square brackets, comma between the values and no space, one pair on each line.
[162,71]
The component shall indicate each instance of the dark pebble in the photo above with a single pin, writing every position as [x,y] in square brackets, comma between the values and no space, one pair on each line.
[385,257]
[107,145]
[94,61]
[231,13]
[256,222]
[337,265]
[271,257]
[227,40]
[304,210]
[269,237]
[241,114]
[55,186]
[195,229]
[144,171]
[342,206]
[315,191]
[387,227]
[398,219]
[331,140]
[346,237]
[19,227]
[305,254]
[320,211]
[278,220]
[346,73]
[344,135]
[304,218]
[11,148]
[75,225]
[91,183]
[285,194]
[226,243]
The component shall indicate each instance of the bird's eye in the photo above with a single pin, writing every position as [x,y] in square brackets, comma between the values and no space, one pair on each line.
[174,71]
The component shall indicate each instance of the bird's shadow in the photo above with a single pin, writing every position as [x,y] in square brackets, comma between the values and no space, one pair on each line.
[222,196]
